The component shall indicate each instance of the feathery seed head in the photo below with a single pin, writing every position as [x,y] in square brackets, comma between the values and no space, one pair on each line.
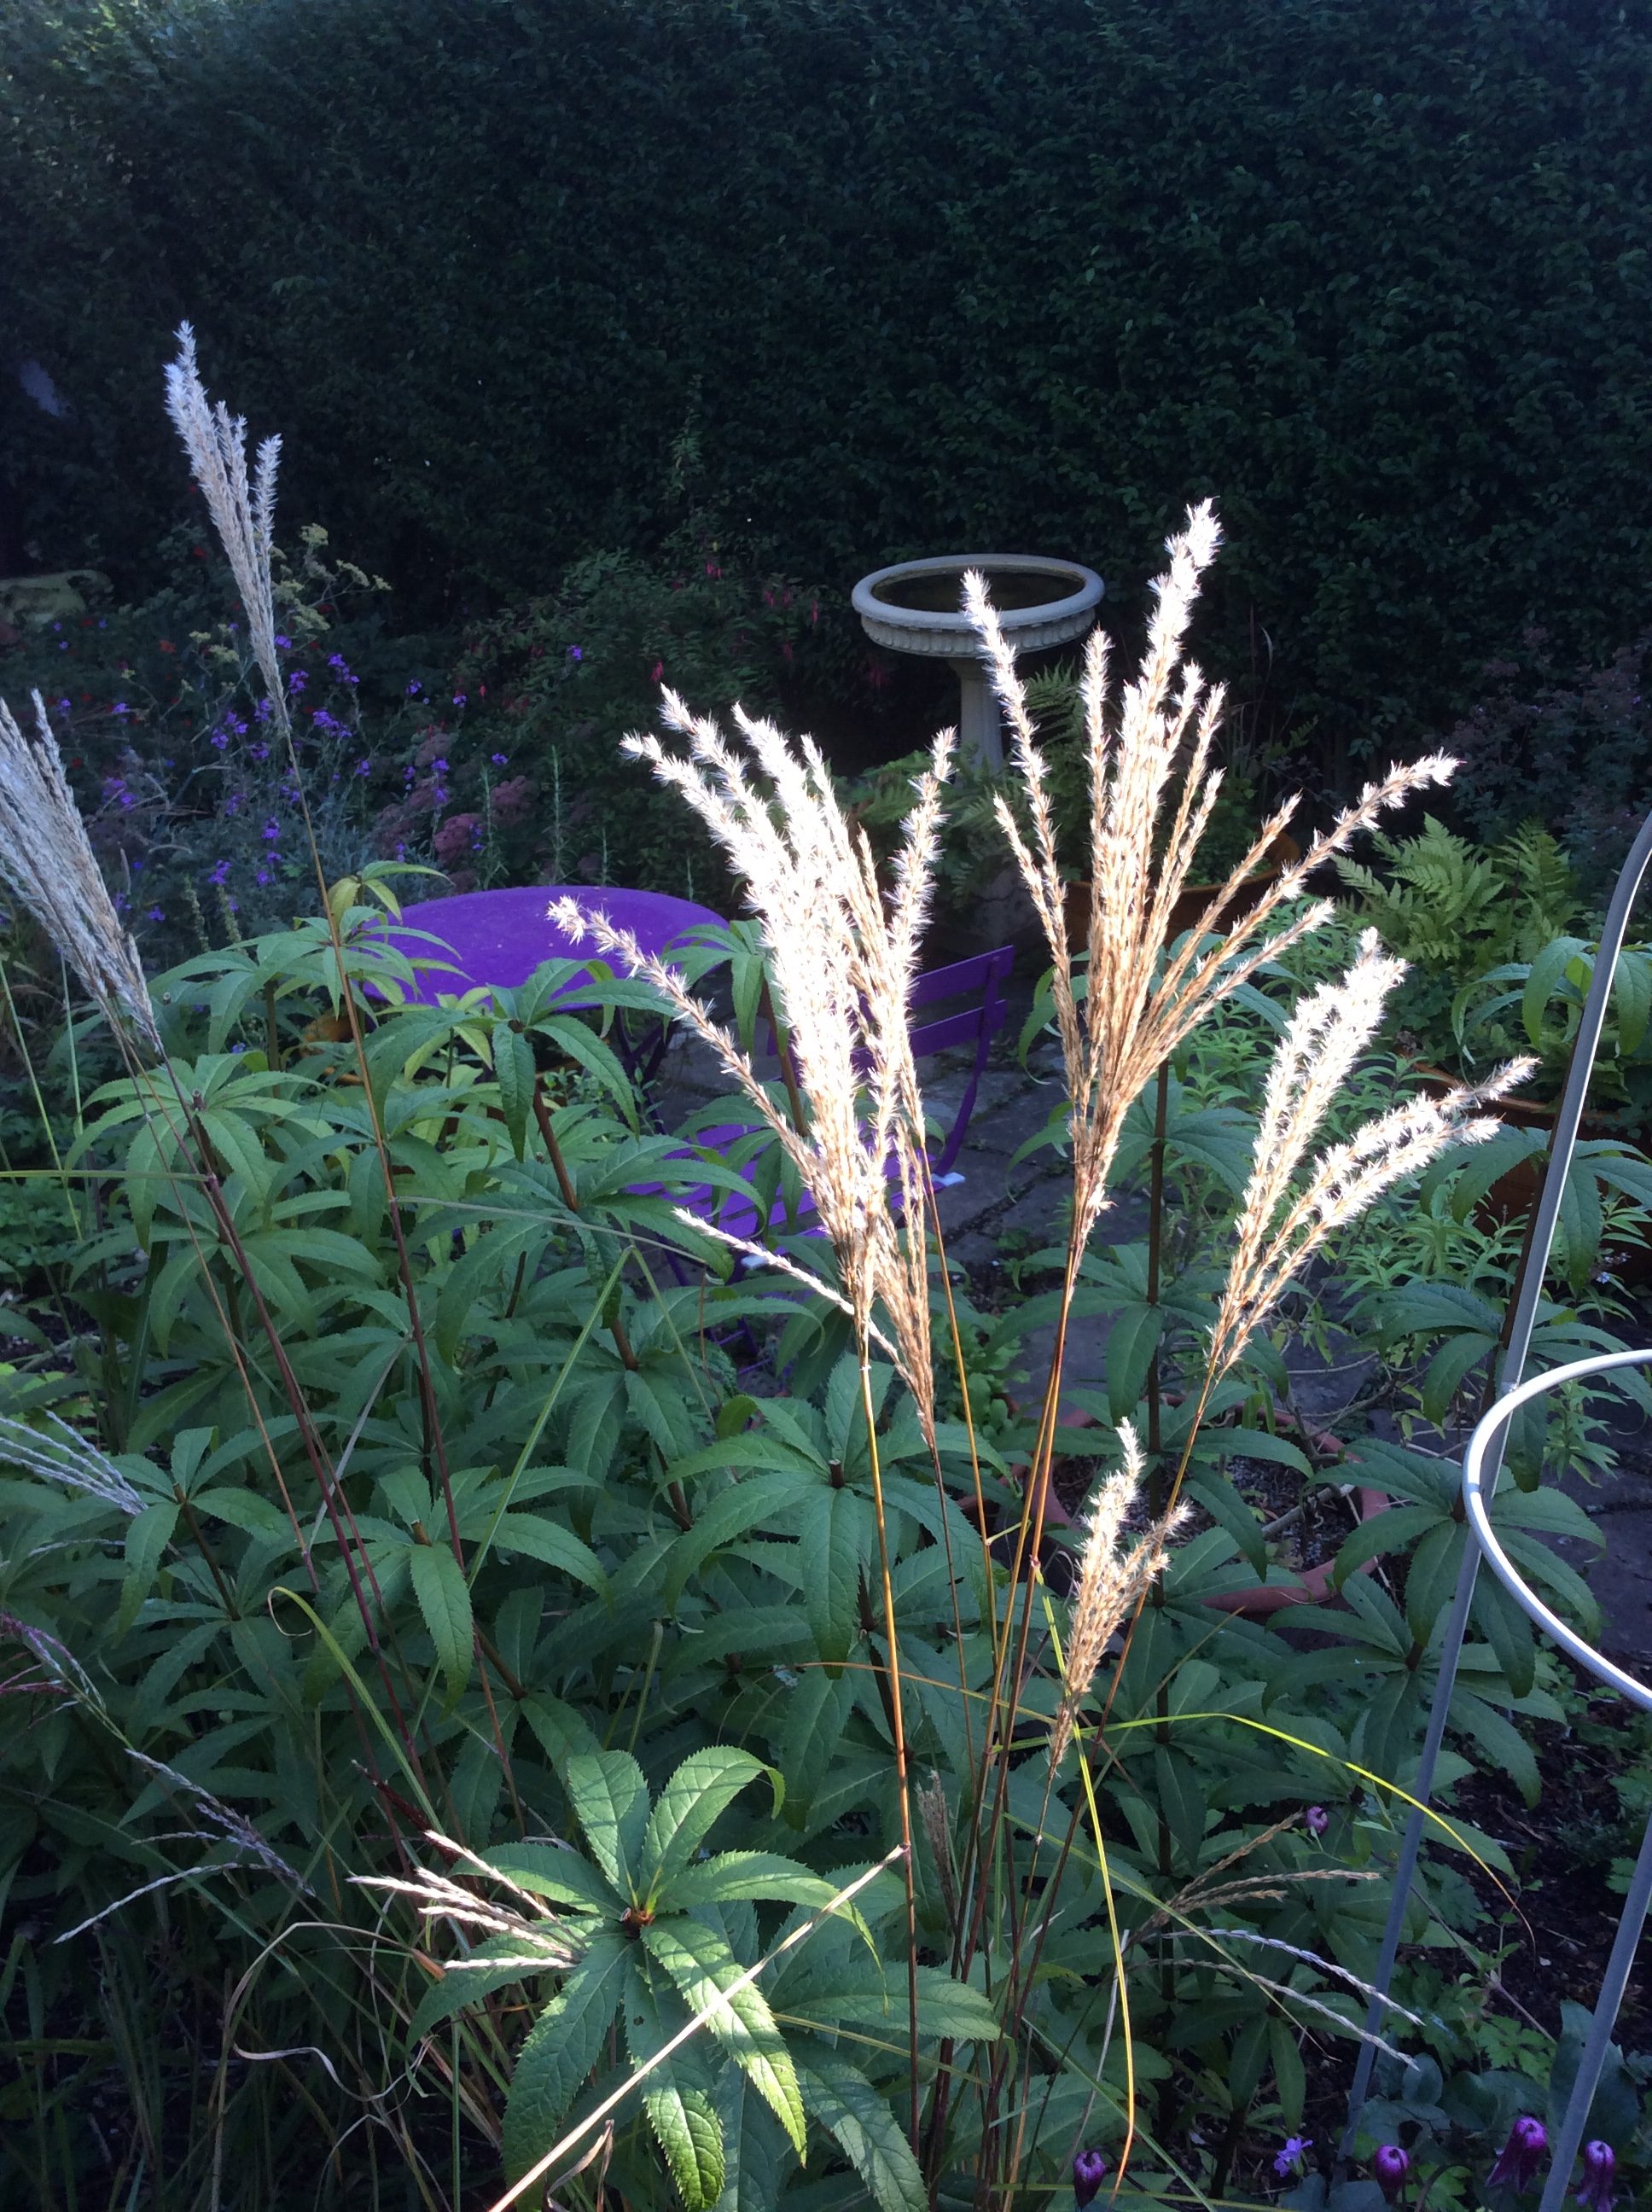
[1109,1581]
[46,858]
[243,513]
[842,959]
[1283,1221]
[1138,1002]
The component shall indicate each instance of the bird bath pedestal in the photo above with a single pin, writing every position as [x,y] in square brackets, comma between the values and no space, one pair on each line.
[916,607]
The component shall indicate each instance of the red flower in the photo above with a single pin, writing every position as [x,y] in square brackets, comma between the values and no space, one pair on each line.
[166,646]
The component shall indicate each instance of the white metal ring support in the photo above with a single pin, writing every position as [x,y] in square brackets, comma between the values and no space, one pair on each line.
[1487,1437]
[1528,1293]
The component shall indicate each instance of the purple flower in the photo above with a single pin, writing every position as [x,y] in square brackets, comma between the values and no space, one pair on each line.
[363,767]
[500,760]
[297,680]
[271,831]
[220,739]
[260,752]
[337,661]
[120,708]
[1600,2166]
[220,872]
[238,1048]
[1518,2160]
[1287,2159]
[1390,2166]
[440,794]
[575,653]
[263,711]
[65,705]
[285,643]
[458,698]
[413,688]
[1089,2171]
[1316,1819]
[264,875]
[437,767]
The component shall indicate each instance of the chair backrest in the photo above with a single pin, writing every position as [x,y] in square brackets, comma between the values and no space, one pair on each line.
[973,989]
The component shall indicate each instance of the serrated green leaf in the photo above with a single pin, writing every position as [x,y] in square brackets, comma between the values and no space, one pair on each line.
[833,1533]
[703,1967]
[560,2049]
[858,2118]
[610,1799]
[444,1601]
[702,1787]
[536,1537]
[559,1873]
[732,1875]
[148,1535]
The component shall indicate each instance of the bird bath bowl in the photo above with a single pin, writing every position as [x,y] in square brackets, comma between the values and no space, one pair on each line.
[916,607]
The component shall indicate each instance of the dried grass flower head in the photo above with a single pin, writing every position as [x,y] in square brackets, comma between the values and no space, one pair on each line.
[46,858]
[1282,1224]
[842,959]
[243,513]
[1153,785]
[1110,1580]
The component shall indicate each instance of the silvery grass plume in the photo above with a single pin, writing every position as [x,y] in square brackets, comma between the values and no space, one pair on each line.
[57,1453]
[1280,1230]
[842,959]
[243,513]
[1110,1579]
[46,858]
[1134,1012]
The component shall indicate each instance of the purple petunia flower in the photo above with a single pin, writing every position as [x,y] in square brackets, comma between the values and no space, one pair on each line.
[1595,2192]
[1390,2166]
[1287,2159]
[1316,1819]
[1517,2162]
[1089,2171]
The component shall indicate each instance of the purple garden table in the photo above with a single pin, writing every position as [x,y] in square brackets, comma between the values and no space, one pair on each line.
[501,937]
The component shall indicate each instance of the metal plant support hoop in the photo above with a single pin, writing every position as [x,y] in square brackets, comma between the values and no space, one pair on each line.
[1482,1467]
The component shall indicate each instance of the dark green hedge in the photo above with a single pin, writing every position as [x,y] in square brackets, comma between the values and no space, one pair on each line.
[913,273]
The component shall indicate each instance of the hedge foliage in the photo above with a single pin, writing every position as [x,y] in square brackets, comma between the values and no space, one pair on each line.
[894,276]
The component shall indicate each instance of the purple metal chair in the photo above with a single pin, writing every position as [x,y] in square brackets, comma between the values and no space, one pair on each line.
[972,991]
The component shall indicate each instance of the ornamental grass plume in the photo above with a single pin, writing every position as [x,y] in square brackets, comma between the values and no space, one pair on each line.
[1279,1231]
[46,858]
[243,513]
[1152,792]
[1110,1579]
[843,959]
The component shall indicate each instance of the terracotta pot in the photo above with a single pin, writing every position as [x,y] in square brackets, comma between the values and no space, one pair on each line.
[1258,1600]
[1196,899]
[1312,1587]
[1513,1195]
